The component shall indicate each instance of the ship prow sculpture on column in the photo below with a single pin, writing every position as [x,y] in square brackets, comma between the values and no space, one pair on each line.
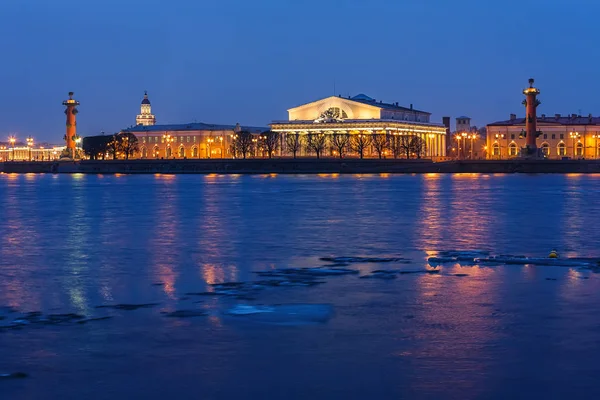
[71,138]
[531,133]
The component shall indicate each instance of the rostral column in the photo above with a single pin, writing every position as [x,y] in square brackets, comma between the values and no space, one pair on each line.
[71,134]
[531,102]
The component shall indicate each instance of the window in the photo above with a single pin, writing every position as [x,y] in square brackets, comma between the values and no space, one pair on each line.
[545,136]
[562,149]
[168,152]
[579,149]
[194,139]
[195,151]
[553,136]
[188,139]
[546,149]
[144,152]
[512,149]
[496,149]
[144,139]
[181,152]
[512,136]
[562,136]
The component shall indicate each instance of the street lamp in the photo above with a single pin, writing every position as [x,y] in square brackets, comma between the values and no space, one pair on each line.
[220,138]
[499,136]
[254,140]
[29,145]
[12,140]
[472,136]
[168,139]
[574,135]
[208,151]
[464,137]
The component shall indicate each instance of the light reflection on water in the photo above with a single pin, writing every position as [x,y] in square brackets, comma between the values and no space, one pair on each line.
[69,243]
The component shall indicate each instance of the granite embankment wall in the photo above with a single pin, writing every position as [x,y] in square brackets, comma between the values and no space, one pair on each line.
[302,166]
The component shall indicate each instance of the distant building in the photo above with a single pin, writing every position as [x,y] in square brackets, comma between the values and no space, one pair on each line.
[463,124]
[192,140]
[145,117]
[22,152]
[468,142]
[572,136]
[362,114]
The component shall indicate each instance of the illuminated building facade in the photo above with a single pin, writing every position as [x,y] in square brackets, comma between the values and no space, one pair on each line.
[571,136]
[23,152]
[145,117]
[360,115]
[195,140]
[553,137]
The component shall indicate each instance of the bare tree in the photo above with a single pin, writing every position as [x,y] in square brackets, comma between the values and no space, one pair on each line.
[293,143]
[128,144]
[394,144]
[360,143]
[341,142]
[315,142]
[269,142]
[404,144]
[418,146]
[380,143]
[243,144]
[114,146]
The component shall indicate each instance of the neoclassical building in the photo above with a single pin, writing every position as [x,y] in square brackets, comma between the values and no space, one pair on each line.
[572,136]
[363,115]
[193,140]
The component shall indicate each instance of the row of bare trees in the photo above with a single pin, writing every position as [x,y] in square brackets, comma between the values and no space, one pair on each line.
[339,144]
[120,145]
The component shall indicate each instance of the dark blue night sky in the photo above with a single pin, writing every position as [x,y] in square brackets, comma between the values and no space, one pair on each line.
[228,61]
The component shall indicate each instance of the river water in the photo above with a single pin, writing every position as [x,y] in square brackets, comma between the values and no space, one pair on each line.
[69,243]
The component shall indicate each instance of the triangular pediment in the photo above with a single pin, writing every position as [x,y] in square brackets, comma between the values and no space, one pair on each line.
[343,106]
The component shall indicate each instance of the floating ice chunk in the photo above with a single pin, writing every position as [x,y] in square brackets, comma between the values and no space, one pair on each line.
[363,259]
[285,314]
[519,260]
[243,309]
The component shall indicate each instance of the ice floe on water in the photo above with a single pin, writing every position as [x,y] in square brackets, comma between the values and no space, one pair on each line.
[350,260]
[283,314]
[484,258]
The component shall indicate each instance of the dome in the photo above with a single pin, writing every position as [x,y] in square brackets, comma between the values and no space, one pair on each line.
[145,101]
[363,97]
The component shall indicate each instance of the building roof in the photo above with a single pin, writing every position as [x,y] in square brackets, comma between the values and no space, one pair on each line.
[364,99]
[195,126]
[463,117]
[552,120]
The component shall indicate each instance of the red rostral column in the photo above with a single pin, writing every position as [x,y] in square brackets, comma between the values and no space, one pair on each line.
[71,112]
[531,103]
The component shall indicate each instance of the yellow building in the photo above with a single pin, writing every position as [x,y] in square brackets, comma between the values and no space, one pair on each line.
[363,115]
[26,153]
[194,140]
[573,136]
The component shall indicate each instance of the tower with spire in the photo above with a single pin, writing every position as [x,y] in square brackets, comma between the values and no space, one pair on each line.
[145,117]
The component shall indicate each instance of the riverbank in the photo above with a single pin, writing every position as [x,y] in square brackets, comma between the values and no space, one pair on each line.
[302,166]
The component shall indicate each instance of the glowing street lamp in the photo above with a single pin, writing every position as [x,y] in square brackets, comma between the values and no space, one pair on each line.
[29,145]
[12,140]
[574,135]
[168,139]
[208,150]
